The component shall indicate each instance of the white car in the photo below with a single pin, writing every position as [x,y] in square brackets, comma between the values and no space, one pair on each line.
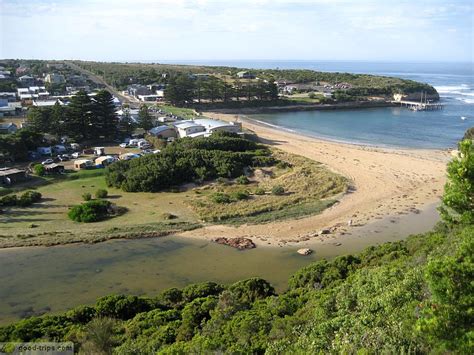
[123,145]
[47,161]
[75,155]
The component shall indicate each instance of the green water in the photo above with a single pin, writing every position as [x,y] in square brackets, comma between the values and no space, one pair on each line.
[38,280]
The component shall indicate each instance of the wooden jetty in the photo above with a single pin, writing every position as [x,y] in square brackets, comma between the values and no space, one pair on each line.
[422,105]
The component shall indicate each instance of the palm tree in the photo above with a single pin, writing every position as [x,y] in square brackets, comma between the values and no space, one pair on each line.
[99,336]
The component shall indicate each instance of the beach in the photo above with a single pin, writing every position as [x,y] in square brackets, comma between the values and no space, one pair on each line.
[385,183]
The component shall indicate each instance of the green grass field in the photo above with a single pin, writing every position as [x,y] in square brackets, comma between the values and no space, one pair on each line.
[309,189]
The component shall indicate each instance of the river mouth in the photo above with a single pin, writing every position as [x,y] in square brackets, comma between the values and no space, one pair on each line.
[38,280]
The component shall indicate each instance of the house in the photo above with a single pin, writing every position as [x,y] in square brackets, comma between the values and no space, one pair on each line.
[54,168]
[150,98]
[47,103]
[99,151]
[9,176]
[9,96]
[44,150]
[7,128]
[164,119]
[137,89]
[163,131]
[218,125]
[188,127]
[104,160]
[245,75]
[54,78]
[83,164]
[8,110]
[26,80]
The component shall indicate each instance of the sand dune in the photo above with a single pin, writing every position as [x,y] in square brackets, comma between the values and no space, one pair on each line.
[386,182]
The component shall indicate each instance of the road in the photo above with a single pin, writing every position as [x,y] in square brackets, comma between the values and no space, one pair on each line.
[133,103]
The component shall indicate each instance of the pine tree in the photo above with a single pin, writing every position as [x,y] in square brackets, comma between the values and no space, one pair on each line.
[105,121]
[57,120]
[79,122]
[144,119]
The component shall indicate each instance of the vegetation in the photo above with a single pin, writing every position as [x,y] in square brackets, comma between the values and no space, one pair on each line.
[24,200]
[411,296]
[90,211]
[469,134]
[186,160]
[101,193]
[15,147]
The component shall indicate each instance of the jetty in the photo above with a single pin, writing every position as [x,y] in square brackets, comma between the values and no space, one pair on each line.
[422,105]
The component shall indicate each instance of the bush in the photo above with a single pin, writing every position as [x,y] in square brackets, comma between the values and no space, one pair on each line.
[240,195]
[10,200]
[242,180]
[101,193]
[86,196]
[259,191]
[39,170]
[90,211]
[28,198]
[278,190]
[220,197]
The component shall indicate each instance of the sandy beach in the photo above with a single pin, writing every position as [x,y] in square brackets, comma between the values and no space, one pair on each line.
[386,182]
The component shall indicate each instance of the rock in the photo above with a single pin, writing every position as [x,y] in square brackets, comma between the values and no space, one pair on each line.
[304,251]
[324,231]
[240,243]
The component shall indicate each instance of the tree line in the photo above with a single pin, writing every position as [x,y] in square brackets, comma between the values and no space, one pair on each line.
[187,89]
[85,118]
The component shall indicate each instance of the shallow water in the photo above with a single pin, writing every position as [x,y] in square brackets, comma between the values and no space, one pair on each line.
[35,280]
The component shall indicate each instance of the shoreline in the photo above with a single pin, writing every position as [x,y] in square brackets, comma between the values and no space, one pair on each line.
[387,182]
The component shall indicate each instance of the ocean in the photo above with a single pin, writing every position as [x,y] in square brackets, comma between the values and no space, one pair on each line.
[390,127]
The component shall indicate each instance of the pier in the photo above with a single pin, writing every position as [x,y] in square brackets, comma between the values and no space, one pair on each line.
[419,106]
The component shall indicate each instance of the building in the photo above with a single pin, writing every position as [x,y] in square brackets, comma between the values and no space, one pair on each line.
[8,128]
[54,78]
[245,75]
[185,128]
[47,103]
[163,132]
[9,176]
[54,168]
[83,164]
[26,80]
[128,156]
[218,125]
[9,96]
[137,89]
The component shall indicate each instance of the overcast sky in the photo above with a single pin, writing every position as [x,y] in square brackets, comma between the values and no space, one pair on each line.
[153,30]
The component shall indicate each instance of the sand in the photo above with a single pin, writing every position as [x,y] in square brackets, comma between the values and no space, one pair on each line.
[386,182]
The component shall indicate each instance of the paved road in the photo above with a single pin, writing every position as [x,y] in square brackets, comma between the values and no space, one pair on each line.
[98,80]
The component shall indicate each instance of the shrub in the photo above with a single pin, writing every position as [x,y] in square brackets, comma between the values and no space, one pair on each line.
[259,191]
[28,198]
[242,180]
[278,190]
[39,170]
[90,211]
[86,196]
[168,216]
[220,197]
[101,193]
[10,200]
[239,195]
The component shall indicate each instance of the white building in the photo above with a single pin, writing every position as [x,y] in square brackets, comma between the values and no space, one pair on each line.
[218,125]
[185,128]
[54,78]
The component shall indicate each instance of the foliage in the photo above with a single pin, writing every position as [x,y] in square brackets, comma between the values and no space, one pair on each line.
[144,118]
[86,196]
[185,160]
[469,134]
[90,211]
[24,200]
[15,146]
[101,193]
[458,198]
[39,169]
[242,180]
[278,190]
[220,197]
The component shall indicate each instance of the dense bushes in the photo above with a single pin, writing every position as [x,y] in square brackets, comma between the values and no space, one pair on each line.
[101,193]
[90,211]
[186,160]
[24,200]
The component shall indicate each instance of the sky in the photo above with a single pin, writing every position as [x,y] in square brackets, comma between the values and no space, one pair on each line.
[154,30]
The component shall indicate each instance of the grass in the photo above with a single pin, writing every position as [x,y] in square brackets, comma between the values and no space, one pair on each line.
[187,113]
[309,188]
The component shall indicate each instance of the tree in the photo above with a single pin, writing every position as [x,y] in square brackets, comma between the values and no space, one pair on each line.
[180,90]
[105,119]
[144,118]
[57,119]
[100,336]
[458,198]
[79,123]
[126,124]
[39,119]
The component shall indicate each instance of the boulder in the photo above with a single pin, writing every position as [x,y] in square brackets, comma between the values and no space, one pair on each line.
[304,251]
[324,231]
[240,243]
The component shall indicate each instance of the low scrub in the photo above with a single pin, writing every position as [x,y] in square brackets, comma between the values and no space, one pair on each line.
[94,211]
[24,200]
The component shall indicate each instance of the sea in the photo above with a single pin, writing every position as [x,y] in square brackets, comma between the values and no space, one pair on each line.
[389,127]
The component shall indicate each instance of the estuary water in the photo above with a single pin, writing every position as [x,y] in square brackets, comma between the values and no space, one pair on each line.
[391,127]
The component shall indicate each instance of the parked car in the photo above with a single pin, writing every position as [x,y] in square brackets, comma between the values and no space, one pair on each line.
[123,145]
[47,161]
[75,155]
[145,146]
[64,157]
[147,151]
